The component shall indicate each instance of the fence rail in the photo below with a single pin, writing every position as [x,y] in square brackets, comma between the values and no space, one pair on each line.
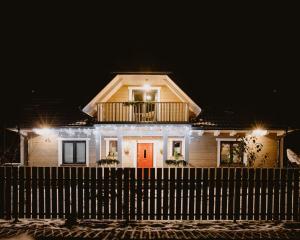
[169,193]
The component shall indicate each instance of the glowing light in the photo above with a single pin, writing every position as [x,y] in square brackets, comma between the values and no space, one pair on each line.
[147,87]
[148,98]
[259,132]
[43,131]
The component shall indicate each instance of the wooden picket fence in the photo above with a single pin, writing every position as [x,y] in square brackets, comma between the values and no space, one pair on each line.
[161,193]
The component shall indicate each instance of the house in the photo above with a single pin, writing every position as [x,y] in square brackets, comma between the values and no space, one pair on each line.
[142,120]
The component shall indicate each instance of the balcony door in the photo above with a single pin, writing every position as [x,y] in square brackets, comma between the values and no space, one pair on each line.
[145,108]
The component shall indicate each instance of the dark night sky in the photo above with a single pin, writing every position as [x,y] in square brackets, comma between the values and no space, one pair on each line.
[245,61]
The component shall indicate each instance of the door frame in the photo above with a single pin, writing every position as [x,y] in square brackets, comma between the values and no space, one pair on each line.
[154,142]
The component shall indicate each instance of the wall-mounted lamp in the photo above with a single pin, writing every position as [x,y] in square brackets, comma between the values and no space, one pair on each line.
[259,132]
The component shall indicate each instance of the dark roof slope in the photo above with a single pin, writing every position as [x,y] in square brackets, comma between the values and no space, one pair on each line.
[228,119]
[52,112]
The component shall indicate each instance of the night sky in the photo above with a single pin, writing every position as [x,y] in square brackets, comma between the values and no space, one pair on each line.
[241,61]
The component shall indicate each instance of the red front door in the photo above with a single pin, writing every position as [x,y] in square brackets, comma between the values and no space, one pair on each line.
[145,155]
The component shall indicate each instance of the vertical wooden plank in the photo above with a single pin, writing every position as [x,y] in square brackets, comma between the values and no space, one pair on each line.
[21,192]
[34,192]
[178,193]
[204,193]
[198,193]
[126,194]
[244,193]
[172,193]
[15,200]
[218,194]
[231,193]
[289,194]
[263,198]
[41,191]
[152,193]
[224,192]
[146,195]
[237,193]
[106,193]
[60,192]
[93,192]
[250,194]
[185,193]
[192,194]
[113,193]
[158,193]
[165,193]
[86,190]
[80,192]
[283,194]
[257,193]
[67,184]
[73,191]
[28,192]
[270,193]
[2,192]
[47,193]
[54,192]
[119,193]
[296,196]
[276,194]
[132,194]
[139,194]
[99,193]
[211,201]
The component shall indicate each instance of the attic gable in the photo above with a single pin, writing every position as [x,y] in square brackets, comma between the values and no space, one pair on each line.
[138,80]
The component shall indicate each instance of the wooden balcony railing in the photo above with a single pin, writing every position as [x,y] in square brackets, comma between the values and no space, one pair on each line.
[143,112]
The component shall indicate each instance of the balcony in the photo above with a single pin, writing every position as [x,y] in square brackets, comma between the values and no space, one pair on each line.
[143,112]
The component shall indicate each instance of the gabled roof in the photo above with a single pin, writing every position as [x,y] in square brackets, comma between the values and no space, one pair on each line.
[136,79]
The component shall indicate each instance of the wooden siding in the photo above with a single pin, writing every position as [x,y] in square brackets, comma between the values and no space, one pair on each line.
[203,150]
[42,153]
[122,95]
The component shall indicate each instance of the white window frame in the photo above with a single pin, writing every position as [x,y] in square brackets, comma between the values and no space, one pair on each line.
[107,140]
[170,146]
[219,140]
[60,152]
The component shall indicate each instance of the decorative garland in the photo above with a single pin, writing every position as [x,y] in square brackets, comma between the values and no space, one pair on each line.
[107,161]
[176,162]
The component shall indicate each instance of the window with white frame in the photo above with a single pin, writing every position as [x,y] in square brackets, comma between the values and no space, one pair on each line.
[74,152]
[111,148]
[176,148]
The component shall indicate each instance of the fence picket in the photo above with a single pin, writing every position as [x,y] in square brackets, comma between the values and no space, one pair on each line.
[132,194]
[21,192]
[250,194]
[54,192]
[47,192]
[270,193]
[204,193]
[113,193]
[139,194]
[231,194]
[73,191]
[86,192]
[28,188]
[283,194]
[165,193]
[126,194]
[237,193]
[15,176]
[80,192]
[145,194]
[212,200]
[276,194]
[263,193]
[185,193]
[192,194]
[257,193]
[41,191]
[152,193]
[178,193]
[158,193]
[244,193]
[289,193]
[296,196]
[2,192]
[60,192]
[93,192]
[106,193]
[224,193]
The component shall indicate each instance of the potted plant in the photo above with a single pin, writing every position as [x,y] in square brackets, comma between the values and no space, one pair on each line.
[109,161]
[178,160]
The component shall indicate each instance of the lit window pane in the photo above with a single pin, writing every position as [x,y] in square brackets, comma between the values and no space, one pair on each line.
[225,152]
[80,152]
[68,152]
[113,146]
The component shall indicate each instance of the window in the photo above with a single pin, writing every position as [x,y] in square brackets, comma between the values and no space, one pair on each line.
[145,96]
[177,148]
[112,148]
[74,152]
[229,155]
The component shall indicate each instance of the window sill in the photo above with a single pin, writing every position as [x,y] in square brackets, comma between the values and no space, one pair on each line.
[73,165]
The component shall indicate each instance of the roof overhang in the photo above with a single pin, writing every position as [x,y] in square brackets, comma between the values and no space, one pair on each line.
[124,79]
